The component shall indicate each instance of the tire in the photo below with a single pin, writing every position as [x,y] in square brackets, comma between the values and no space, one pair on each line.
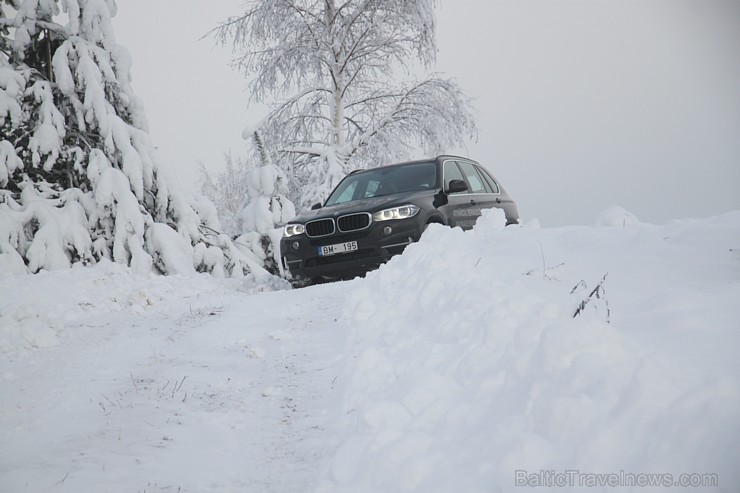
[432,220]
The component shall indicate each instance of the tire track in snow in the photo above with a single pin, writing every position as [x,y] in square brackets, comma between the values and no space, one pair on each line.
[217,393]
[283,362]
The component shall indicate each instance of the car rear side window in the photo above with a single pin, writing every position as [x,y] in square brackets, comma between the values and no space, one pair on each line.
[477,184]
[489,179]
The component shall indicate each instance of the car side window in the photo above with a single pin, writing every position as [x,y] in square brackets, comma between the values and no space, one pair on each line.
[489,179]
[477,185]
[372,188]
[451,172]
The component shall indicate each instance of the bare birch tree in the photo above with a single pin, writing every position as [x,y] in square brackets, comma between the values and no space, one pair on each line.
[329,68]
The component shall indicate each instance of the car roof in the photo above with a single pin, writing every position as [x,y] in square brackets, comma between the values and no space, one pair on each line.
[442,157]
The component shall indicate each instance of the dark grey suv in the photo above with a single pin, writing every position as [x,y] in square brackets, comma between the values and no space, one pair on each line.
[374,214]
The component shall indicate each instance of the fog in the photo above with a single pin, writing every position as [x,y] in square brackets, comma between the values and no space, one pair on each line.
[581,104]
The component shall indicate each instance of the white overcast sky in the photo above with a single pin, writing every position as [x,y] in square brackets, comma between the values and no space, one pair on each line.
[581,104]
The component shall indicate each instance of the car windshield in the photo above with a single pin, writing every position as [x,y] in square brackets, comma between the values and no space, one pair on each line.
[414,177]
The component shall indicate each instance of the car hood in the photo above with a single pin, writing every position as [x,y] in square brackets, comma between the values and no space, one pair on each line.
[370,205]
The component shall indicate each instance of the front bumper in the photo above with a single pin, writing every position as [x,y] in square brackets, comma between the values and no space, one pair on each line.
[375,246]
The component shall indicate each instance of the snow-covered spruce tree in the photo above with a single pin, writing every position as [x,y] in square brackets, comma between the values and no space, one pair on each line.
[250,197]
[79,180]
[328,67]
[267,208]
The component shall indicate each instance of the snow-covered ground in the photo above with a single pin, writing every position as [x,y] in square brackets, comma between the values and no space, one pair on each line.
[458,366]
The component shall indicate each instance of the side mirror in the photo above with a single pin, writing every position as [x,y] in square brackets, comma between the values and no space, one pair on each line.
[316,206]
[457,186]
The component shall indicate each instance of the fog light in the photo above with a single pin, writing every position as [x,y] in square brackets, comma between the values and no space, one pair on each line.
[296,245]
[387,230]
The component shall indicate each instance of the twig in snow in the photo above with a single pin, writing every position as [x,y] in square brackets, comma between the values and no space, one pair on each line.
[110,401]
[597,292]
[63,479]
[549,273]
[542,252]
[178,387]
[134,382]
[579,284]
[546,271]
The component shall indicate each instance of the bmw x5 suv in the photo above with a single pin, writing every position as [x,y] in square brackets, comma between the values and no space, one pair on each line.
[374,214]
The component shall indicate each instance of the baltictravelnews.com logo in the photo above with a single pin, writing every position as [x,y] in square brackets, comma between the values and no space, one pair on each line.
[571,478]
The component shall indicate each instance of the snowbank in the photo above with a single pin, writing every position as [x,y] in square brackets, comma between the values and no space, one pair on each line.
[617,216]
[466,364]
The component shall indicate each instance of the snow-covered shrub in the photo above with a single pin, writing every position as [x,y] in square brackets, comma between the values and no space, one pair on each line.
[266,211]
[226,190]
[253,200]
[79,178]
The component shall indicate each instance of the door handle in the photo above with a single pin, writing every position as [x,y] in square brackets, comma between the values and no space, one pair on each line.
[473,202]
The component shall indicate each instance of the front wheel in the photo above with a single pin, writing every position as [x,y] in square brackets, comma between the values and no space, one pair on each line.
[432,220]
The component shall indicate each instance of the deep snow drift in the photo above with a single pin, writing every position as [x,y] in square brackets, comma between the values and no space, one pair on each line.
[466,364]
[458,366]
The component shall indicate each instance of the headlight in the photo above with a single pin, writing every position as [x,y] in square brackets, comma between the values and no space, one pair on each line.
[401,212]
[293,229]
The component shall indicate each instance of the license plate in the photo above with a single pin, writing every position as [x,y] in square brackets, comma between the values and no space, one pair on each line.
[347,247]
